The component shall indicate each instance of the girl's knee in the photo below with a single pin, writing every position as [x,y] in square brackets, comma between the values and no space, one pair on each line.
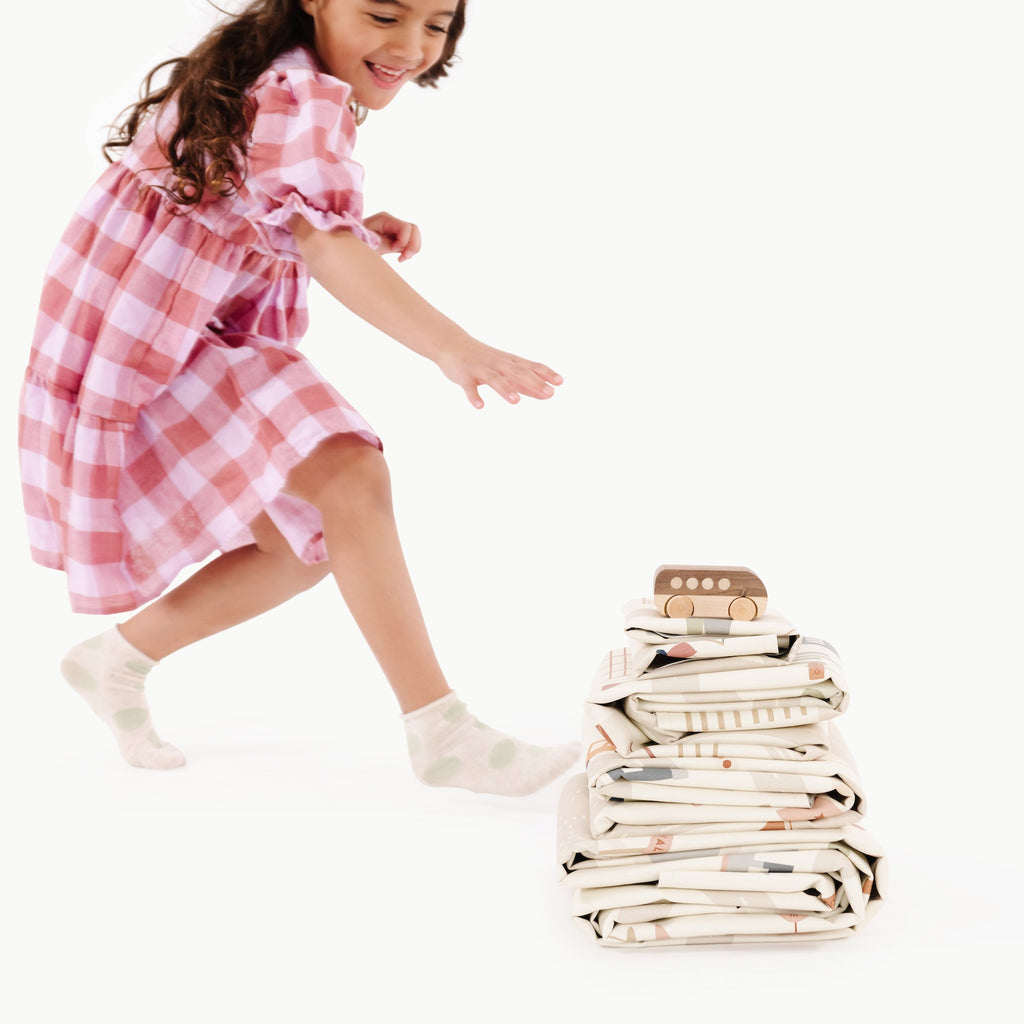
[342,469]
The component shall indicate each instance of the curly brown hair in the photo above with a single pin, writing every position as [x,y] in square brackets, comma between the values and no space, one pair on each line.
[206,152]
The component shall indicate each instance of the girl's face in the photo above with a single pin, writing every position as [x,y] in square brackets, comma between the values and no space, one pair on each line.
[379,45]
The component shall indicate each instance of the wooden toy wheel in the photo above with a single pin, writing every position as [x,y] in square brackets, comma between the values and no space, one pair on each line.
[679,606]
[743,609]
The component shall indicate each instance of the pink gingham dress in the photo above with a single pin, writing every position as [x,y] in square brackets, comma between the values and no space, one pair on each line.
[164,401]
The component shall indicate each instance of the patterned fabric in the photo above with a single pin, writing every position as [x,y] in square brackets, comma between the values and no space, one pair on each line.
[720,802]
[742,692]
[731,786]
[644,621]
[164,401]
[658,890]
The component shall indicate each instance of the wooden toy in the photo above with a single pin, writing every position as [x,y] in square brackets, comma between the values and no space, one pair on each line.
[709,592]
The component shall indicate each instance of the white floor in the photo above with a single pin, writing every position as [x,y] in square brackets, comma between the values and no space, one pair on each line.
[294,870]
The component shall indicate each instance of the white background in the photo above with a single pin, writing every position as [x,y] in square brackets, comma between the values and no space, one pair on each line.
[775,250]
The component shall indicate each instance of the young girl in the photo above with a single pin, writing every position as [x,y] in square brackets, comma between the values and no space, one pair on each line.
[166,413]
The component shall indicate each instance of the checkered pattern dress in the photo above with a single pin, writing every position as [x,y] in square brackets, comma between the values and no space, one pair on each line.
[164,401]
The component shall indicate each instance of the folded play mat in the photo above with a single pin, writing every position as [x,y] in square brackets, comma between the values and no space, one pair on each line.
[719,802]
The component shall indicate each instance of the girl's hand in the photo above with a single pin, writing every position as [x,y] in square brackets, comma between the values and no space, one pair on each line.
[470,364]
[363,282]
[395,235]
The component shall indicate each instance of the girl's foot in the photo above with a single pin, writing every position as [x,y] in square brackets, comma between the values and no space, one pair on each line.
[450,747]
[110,675]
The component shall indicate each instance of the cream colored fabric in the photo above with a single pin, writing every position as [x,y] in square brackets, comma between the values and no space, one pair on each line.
[743,692]
[723,780]
[720,802]
[650,633]
[652,888]
[109,674]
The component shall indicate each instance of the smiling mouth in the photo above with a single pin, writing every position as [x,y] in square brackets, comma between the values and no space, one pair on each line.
[387,77]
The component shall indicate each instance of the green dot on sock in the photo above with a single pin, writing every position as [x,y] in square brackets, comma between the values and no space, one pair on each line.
[130,718]
[414,743]
[503,754]
[78,677]
[138,667]
[441,770]
[457,710]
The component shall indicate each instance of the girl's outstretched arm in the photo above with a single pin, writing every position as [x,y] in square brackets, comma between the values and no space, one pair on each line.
[360,279]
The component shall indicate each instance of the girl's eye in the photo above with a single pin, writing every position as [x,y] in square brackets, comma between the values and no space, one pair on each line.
[383,19]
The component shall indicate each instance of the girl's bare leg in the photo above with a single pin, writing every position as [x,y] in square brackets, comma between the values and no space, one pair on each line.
[109,671]
[233,588]
[348,482]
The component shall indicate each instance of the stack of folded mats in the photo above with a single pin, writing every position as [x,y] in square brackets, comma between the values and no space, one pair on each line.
[720,803]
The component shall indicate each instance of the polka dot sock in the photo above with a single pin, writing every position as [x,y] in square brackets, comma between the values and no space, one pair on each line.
[110,675]
[450,747]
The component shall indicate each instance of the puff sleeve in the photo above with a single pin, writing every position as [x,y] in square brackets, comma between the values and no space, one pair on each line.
[300,158]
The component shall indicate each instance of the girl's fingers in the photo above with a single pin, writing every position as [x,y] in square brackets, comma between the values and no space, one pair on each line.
[397,236]
[400,245]
[502,387]
[497,382]
[547,374]
[507,375]
[520,380]
[411,243]
[532,389]
[537,380]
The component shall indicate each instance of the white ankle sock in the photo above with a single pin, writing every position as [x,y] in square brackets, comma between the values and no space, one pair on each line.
[110,675]
[450,747]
